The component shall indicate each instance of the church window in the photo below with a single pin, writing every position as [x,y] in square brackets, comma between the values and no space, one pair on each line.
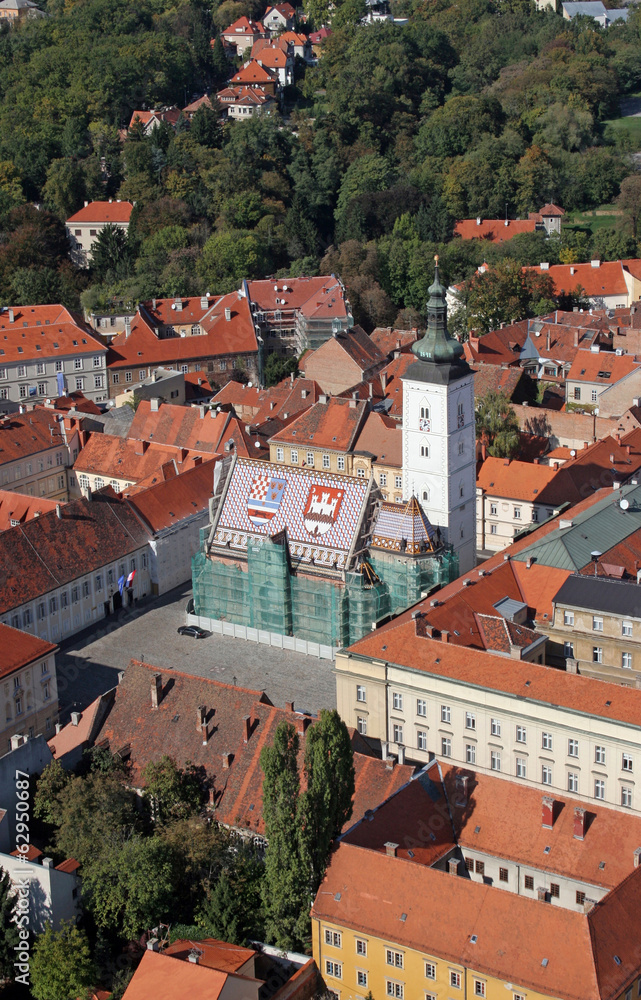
[424,423]
[426,494]
[460,415]
[425,451]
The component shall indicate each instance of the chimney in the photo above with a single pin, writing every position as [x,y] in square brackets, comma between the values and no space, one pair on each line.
[445,635]
[390,762]
[541,894]
[547,815]
[461,790]
[452,866]
[401,753]
[140,447]
[384,750]
[371,390]
[201,715]
[153,304]
[637,855]
[352,404]
[59,511]
[579,823]
[383,378]
[227,314]
[226,760]
[121,676]
[391,848]
[247,728]
[127,326]
[289,706]
[58,728]
[548,341]
[193,956]
[16,741]
[304,724]
[75,718]
[322,398]
[212,798]
[152,944]
[576,338]
[154,404]
[156,690]
[47,862]
[398,345]
[11,315]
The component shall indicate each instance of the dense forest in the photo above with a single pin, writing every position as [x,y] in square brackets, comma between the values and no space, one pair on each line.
[479,107]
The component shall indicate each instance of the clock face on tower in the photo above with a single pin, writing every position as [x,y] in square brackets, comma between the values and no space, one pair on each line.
[424,424]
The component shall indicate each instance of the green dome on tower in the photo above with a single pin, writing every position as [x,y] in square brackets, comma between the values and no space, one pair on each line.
[437,346]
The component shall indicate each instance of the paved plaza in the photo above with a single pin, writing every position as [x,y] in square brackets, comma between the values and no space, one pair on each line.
[88,663]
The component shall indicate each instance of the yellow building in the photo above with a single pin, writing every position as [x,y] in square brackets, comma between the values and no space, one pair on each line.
[385,925]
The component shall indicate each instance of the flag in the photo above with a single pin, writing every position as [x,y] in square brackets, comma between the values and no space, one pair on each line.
[130,578]
[121,584]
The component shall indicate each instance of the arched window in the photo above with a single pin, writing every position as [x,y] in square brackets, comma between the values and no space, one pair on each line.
[424,421]
[460,415]
[426,494]
[425,451]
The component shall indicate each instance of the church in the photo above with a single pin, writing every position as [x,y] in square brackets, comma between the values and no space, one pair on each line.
[322,557]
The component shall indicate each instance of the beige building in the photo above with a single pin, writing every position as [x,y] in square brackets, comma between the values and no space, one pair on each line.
[36,448]
[29,687]
[84,226]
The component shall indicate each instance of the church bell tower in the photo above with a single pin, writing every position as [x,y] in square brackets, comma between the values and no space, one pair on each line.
[439,461]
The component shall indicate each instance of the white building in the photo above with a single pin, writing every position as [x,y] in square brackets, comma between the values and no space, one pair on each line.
[438,432]
[84,226]
[53,890]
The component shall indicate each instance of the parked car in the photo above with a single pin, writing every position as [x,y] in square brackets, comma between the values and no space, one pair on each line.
[194,631]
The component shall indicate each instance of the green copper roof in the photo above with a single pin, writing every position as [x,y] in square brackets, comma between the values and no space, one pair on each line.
[437,346]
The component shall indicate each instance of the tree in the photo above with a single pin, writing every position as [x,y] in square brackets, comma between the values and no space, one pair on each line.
[110,253]
[173,792]
[285,892]
[229,257]
[205,125]
[497,425]
[629,202]
[61,965]
[9,938]
[233,908]
[504,294]
[219,61]
[277,368]
[326,803]
[51,783]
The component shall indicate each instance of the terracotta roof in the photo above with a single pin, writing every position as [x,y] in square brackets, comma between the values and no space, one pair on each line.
[285,400]
[292,38]
[31,854]
[221,337]
[388,340]
[192,108]
[72,736]
[164,312]
[587,367]
[319,36]
[17,507]
[596,282]
[69,866]
[309,295]
[170,115]
[74,401]
[253,73]
[498,347]
[21,648]
[514,480]
[39,332]
[550,210]
[492,378]
[114,457]
[214,954]
[104,212]
[179,426]
[24,434]
[381,437]
[87,535]
[243,26]
[496,230]
[170,502]
[394,386]
[359,347]
[271,56]
[244,96]
[334,425]
[569,955]
[165,978]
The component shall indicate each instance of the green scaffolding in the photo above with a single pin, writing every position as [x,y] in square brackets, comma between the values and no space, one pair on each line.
[264,593]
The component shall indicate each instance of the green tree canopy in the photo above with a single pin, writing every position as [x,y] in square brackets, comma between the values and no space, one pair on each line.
[172,791]
[9,938]
[497,425]
[61,966]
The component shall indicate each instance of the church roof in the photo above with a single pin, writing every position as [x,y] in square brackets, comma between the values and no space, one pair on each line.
[321,513]
[403,528]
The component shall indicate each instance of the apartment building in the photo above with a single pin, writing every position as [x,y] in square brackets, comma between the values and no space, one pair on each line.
[46,351]
[296,314]
[85,226]
[29,686]
[344,360]
[36,448]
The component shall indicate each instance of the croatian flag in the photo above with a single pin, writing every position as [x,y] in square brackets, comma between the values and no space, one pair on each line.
[130,578]
[121,584]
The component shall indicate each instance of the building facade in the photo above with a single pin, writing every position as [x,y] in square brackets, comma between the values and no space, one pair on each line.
[29,686]
[84,226]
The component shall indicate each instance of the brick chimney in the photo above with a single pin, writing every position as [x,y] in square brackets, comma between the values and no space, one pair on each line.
[247,728]
[391,848]
[303,725]
[289,706]
[445,635]
[383,378]
[226,760]
[156,690]
[579,823]
[201,715]
[541,894]
[576,338]
[547,814]
[452,866]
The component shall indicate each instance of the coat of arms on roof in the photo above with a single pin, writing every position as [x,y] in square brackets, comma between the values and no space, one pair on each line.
[321,509]
[264,499]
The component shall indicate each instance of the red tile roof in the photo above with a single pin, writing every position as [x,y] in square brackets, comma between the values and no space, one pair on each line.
[165,312]
[596,282]
[498,347]
[393,374]
[389,340]
[24,434]
[38,332]
[492,378]
[271,56]
[180,426]
[334,425]
[114,457]
[242,27]
[165,978]
[20,648]
[382,437]
[568,955]
[496,230]
[244,96]
[74,401]
[214,954]
[177,499]
[253,73]
[104,212]
[87,535]
[514,480]
[312,296]
[20,508]
[72,736]
[587,367]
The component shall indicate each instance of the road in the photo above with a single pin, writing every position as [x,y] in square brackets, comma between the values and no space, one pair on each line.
[88,663]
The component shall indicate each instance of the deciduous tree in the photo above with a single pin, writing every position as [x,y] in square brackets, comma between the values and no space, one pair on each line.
[497,425]
[61,966]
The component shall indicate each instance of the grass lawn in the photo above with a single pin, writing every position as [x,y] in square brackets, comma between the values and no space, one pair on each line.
[606,217]
[631,126]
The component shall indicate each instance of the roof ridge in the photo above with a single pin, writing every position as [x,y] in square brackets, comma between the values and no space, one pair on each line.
[207,680]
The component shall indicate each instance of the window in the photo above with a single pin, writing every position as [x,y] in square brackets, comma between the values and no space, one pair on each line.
[361,946]
[18,706]
[430,970]
[361,725]
[394,989]
[96,361]
[222,366]
[494,529]
[573,782]
[461,447]
[460,413]
[470,753]
[382,479]
[470,720]
[361,978]
[77,364]
[599,755]
[521,767]
[445,714]
[568,617]
[64,599]
[333,938]
[128,377]
[398,482]
[398,734]
[626,628]
[517,513]
[573,748]
[397,701]
[529,882]
[280,454]
[495,727]
[340,463]
[394,958]
[455,980]
[40,368]
[469,864]
[446,747]
[3,373]
[425,451]
[42,388]
[143,561]
[98,582]
[597,654]
[421,707]
[580,897]
[503,875]
[4,393]
[60,366]
[97,382]
[480,867]
[495,761]
[494,509]
[326,462]
[626,796]
[75,595]
[626,661]
[45,692]
[293,456]
[421,740]
[626,762]
[568,650]
[115,378]
[555,890]
[360,473]
[521,734]
[80,384]
[26,617]
[23,391]
[546,741]
[599,788]
[479,988]
[310,458]
[546,774]
[53,605]
[22,371]
[597,623]
[334,969]
[577,392]
[360,693]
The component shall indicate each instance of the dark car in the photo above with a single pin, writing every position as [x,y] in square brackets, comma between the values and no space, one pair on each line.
[193,630]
